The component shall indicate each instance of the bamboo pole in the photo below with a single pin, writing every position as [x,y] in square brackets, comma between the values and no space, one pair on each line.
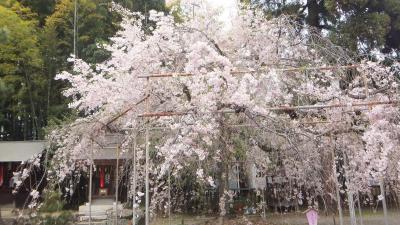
[278,108]
[239,72]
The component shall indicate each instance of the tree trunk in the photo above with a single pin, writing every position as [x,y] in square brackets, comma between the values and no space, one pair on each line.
[312,18]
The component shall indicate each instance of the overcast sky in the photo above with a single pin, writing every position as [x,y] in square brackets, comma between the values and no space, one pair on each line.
[228,8]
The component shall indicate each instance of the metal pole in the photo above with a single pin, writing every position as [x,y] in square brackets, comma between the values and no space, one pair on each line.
[339,205]
[263,199]
[116,187]
[169,195]
[353,219]
[147,216]
[237,176]
[90,183]
[134,184]
[382,186]
[75,28]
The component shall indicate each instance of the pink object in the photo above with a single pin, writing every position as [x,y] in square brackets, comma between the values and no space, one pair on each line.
[1,175]
[312,217]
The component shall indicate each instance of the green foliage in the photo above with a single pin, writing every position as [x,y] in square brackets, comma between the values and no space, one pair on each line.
[369,29]
[4,33]
[143,5]
[175,10]
[52,201]
[24,13]
[51,212]
[21,45]
[63,218]
[20,64]
[36,38]
[42,8]
[95,25]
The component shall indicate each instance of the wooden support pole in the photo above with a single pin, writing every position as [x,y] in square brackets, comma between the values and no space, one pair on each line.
[278,108]
[239,72]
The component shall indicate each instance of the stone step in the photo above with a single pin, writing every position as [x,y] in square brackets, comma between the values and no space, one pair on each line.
[92,222]
[98,209]
[99,218]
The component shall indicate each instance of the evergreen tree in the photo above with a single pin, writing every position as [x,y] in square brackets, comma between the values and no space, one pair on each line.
[357,25]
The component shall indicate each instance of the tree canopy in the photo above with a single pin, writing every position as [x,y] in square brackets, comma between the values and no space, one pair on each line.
[360,25]
[36,39]
[20,78]
[269,91]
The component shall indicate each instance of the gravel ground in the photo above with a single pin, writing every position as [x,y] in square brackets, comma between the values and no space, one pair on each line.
[369,218]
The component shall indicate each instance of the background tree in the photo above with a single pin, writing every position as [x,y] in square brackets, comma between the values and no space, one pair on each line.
[95,25]
[143,5]
[42,8]
[360,25]
[20,79]
[47,28]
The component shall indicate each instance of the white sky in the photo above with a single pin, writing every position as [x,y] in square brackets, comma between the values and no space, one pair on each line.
[228,8]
